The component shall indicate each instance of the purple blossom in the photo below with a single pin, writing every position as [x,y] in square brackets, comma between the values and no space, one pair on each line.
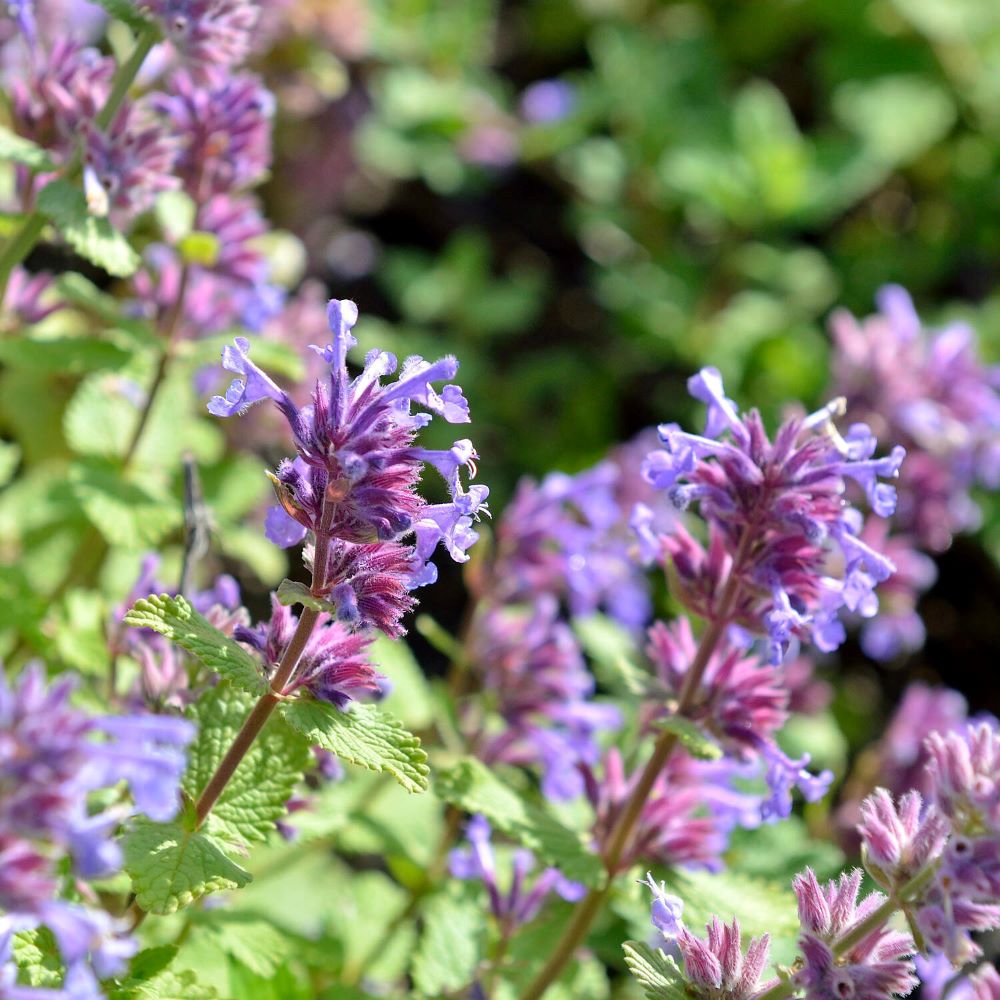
[928,390]
[224,125]
[23,301]
[572,536]
[672,827]
[547,101]
[900,840]
[356,451]
[776,515]
[127,166]
[718,966]
[530,663]
[666,909]
[207,33]
[52,757]
[333,666]
[522,901]
[875,968]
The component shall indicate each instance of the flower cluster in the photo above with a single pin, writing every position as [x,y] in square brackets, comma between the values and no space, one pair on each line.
[52,757]
[353,488]
[943,856]
[357,467]
[532,668]
[521,902]
[928,390]
[777,519]
[717,965]
[742,703]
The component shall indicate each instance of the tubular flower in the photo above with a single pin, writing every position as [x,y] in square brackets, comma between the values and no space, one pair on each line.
[333,666]
[875,968]
[225,130]
[531,665]
[571,536]
[127,166]
[207,33]
[964,895]
[928,390]
[52,757]
[60,94]
[716,967]
[776,512]
[521,903]
[677,826]
[357,456]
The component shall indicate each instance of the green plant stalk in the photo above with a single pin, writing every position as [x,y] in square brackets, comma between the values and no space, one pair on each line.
[268,701]
[665,745]
[24,240]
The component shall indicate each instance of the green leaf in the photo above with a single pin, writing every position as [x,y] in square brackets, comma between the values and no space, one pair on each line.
[92,237]
[657,974]
[471,785]
[451,944]
[362,735]
[172,867]
[611,650]
[167,985]
[410,697]
[179,622]
[36,956]
[291,592]
[10,457]
[691,737]
[100,419]
[780,850]
[126,513]
[15,149]
[264,780]
[62,355]
[250,940]
[760,905]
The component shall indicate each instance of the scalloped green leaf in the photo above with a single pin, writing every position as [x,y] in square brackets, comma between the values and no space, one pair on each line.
[451,945]
[257,793]
[472,786]
[171,867]
[91,236]
[364,736]
[657,974]
[174,618]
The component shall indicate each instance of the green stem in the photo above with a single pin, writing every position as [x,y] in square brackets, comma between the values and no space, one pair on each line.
[617,843]
[268,701]
[24,240]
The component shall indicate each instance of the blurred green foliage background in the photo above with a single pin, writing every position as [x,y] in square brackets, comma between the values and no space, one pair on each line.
[725,174]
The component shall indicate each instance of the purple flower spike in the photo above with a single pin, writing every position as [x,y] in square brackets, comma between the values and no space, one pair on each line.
[207,33]
[252,388]
[774,509]
[520,903]
[357,454]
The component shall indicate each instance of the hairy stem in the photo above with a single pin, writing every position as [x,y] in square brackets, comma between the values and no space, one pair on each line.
[24,240]
[268,701]
[665,745]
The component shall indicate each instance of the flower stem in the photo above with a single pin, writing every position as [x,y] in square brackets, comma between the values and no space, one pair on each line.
[621,833]
[285,671]
[24,240]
